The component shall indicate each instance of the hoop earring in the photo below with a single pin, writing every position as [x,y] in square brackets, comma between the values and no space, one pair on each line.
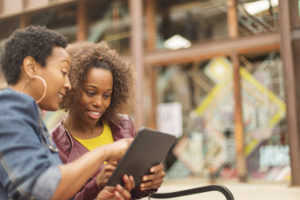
[44,84]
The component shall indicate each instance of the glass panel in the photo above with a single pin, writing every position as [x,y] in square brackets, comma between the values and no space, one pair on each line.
[264,114]
[206,145]
[109,21]
[256,17]
[188,21]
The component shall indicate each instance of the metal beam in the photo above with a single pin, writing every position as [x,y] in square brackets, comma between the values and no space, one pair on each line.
[151,45]
[137,53]
[31,9]
[238,120]
[238,109]
[204,51]
[232,18]
[81,20]
[289,69]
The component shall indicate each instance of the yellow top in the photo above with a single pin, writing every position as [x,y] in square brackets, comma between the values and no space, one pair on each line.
[104,138]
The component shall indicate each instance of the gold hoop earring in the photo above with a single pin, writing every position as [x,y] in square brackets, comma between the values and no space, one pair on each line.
[44,84]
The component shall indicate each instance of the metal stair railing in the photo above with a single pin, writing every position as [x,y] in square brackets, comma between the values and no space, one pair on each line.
[210,188]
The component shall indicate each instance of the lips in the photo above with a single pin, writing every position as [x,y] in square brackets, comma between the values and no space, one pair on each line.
[61,95]
[94,114]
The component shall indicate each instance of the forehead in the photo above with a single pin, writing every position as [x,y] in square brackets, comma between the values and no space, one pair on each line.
[99,76]
[59,54]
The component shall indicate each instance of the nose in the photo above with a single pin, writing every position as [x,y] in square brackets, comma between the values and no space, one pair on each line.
[98,101]
[67,84]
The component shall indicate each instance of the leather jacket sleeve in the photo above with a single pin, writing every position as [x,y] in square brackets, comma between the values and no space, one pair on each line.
[89,191]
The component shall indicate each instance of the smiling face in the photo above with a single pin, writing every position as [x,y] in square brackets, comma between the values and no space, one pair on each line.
[55,73]
[95,96]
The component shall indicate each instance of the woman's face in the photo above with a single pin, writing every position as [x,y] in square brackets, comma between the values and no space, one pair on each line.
[95,95]
[55,73]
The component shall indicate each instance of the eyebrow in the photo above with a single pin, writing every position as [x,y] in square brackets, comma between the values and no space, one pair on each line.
[65,60]
[94,87]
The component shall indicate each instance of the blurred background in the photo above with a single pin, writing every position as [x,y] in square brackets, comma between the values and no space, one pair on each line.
[221,75]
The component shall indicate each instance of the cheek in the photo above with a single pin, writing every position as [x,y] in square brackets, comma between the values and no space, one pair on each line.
[55,80]
[107,103]
[84,100]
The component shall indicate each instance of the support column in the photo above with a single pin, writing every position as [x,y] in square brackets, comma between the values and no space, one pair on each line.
[238,110]
[151,45]
[232,19]
[137,53]
[24,21]
[290,85]
[81,21]
[238,120]
[24,18]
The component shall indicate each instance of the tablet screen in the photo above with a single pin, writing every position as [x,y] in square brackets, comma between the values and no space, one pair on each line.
[148,148]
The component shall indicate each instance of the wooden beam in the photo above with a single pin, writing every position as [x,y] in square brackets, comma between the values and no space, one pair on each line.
[289,69]
[204,51]
[81,21]
[137,54]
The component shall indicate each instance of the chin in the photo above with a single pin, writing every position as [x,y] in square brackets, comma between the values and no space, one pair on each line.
[49,107]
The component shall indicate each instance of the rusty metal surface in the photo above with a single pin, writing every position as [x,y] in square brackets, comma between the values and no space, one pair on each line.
[243,45]
[290,89]
[10,8]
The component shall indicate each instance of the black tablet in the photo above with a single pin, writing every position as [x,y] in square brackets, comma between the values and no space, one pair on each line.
[149,148]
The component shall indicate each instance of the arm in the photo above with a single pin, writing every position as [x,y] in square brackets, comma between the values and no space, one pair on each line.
[27,162]
[75,174]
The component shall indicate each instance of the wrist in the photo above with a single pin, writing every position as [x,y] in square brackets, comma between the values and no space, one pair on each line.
[103,154]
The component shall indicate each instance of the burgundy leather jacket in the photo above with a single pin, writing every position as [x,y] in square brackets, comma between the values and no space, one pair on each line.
[70,149]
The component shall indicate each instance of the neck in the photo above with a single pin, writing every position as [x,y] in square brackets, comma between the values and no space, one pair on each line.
[17,87]
[80,129]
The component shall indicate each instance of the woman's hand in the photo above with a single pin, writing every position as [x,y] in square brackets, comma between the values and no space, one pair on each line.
[154,179]
[105,173]
[118,192]
[117,149]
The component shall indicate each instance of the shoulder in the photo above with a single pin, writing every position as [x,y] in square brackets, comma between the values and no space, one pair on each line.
[63,141]
[13,103]
[59,134]
[124,124]
[9,97]
[125,121]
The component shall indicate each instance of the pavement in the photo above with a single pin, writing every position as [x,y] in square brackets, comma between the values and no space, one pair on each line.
[252,190]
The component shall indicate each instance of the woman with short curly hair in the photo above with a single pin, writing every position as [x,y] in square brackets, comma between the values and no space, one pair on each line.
[36,65]
[101,94]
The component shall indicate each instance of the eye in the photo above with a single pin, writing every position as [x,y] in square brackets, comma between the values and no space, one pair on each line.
[90,93]
[107,96]
[64,73]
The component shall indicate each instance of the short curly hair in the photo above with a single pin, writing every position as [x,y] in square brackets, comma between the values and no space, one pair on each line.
[35,41]
[85,56]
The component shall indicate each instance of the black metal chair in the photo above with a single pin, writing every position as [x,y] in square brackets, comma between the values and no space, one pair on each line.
[225,191]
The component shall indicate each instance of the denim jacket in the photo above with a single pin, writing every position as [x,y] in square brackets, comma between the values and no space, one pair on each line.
[28,157]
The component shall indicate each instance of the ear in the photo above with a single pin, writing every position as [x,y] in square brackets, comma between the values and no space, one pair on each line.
[29,66]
